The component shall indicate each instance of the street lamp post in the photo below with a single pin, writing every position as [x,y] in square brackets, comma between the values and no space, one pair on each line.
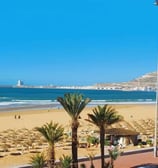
[156,112]
[156,118]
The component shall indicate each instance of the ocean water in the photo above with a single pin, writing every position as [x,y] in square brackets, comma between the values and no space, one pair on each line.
[35,97]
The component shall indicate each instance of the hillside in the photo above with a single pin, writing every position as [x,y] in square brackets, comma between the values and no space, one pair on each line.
[145,82]
[149,79]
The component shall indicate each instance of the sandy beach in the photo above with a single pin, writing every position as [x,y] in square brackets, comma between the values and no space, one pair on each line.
[25,120]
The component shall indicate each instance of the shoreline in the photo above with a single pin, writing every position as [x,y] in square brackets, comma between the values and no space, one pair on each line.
[56,105]
[25,108]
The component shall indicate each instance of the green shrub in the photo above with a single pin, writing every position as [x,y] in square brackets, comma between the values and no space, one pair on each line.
[92,140]
[65,161]
[38,161]
[107,142]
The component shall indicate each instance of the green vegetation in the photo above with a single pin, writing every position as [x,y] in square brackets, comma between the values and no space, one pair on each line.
[65,161]
[92,140]
[52,132]
[74,105]
[102,117]
[38,161]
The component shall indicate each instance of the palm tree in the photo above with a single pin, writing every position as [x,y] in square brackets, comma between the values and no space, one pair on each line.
[38,161]
[91,157]
[73,105]
[65,161]
[114,153]
[52,132]
[102,117]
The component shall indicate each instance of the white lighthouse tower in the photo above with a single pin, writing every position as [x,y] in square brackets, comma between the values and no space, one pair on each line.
[20,83]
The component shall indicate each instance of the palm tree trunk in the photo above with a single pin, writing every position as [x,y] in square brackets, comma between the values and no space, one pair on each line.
[112,163]
[51,163]
[102,133]
[74,147]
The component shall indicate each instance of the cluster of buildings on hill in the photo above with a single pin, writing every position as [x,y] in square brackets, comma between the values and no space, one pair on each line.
[146,82]
[125,87]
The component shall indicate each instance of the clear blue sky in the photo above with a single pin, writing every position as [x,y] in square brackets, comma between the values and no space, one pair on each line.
[77,42]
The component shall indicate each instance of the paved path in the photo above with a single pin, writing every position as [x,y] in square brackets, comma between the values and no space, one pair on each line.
[133,160]
[130,159]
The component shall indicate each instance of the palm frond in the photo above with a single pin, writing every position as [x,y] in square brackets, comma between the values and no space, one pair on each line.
[38,161]
[52,132]
[73,104]
[105,115]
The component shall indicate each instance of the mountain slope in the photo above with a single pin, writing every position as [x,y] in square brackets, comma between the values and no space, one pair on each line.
[145,82]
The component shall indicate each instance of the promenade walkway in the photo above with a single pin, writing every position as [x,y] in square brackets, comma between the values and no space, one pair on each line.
[142,158]
[133,159]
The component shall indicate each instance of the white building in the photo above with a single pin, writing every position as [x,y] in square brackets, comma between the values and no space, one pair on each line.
[20,83]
